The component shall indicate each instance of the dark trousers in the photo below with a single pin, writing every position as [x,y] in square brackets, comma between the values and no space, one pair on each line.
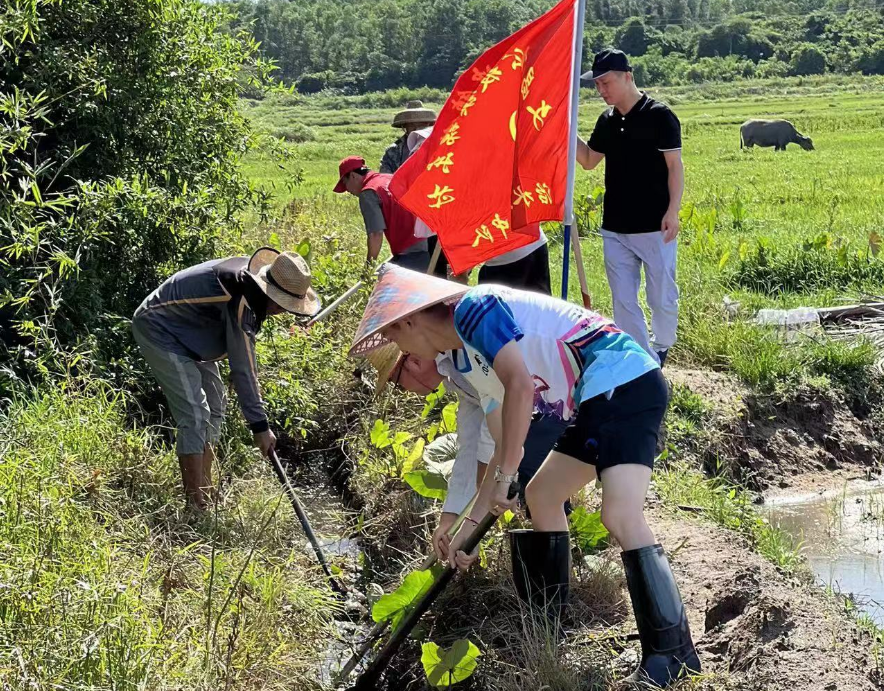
[543,434]
[529,273]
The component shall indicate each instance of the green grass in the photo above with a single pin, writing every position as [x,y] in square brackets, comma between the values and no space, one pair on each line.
[739,205]
[105,584]
[730,507]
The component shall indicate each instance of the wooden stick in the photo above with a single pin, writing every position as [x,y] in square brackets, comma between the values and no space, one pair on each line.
[378,629]
[581,270]
[435,258]
[369,678]
[870,309]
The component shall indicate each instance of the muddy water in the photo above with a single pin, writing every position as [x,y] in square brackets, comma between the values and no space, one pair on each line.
[842,531]
[333,522]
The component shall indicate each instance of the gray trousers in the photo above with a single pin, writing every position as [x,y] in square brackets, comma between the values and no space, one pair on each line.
[194,390]
[625,255]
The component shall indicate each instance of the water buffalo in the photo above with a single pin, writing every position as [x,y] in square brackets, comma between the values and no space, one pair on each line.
[775,133]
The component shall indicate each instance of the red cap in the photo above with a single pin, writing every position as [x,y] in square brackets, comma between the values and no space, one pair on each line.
[348,165]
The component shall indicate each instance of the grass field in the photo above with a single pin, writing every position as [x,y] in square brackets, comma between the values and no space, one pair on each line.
[106,584]
[765,228]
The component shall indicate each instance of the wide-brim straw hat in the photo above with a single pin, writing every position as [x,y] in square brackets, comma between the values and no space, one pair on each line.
[414,112]
[398,294]
[285,278]
[385,360]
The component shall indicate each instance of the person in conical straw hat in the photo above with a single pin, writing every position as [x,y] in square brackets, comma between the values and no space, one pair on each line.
[414,117]
[204,314]
[525,352]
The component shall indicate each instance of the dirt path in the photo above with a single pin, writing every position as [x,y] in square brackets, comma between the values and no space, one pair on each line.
[766,631]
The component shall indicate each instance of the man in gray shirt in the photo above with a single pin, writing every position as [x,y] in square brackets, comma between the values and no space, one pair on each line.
[414,117]
[204,314]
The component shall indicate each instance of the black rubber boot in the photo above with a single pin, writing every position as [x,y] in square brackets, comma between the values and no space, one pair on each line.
[667,649]
[542,568]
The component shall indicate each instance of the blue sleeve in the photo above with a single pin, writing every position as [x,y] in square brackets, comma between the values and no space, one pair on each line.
[486,323]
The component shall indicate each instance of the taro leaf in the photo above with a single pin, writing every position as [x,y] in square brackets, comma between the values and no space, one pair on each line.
[587,528]
[274,241]
[441,449]
[427,483]
[396,605]
[449,417]
[415,455]
[447,666]
[723,259]
[304,249]
[380,435]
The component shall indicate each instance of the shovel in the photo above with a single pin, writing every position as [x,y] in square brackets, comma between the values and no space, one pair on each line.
[305,522]
[368,680]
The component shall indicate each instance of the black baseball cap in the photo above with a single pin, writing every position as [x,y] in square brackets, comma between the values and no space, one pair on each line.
[608,60]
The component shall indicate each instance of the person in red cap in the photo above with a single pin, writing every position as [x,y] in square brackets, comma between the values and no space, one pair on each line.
[383,215]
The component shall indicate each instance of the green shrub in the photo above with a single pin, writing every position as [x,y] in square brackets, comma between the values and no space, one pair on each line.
[808,59]
[118,161]
[295,132]
[823,262]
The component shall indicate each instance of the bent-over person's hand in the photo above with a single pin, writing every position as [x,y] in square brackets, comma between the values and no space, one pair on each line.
[457,558]
[500,501]
[265,441]
[441,539]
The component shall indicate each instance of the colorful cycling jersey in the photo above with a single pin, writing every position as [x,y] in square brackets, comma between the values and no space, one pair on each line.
[572,353]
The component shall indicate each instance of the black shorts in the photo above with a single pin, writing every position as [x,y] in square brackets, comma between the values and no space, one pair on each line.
[622,430]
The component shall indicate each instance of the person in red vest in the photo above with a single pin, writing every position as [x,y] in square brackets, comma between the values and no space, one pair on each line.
[383,215]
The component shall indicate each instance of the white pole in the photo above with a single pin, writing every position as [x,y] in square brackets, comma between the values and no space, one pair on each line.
[571,232]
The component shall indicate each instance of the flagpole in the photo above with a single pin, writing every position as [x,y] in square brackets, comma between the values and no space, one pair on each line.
[571,232]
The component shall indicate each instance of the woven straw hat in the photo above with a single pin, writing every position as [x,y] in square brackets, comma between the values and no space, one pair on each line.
[285,278]
[385,361]
[414,112]
[398,294]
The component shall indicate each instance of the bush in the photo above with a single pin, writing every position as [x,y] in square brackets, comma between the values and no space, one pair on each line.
[808,59]
[820,263]
[118,163]
[295,132]
[871,60]
[773,68]
[314,82]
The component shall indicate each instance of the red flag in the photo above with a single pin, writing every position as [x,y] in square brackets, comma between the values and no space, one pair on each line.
[496,162]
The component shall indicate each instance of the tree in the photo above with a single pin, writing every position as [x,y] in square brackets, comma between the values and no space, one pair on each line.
[808,59]
[871,60]
[633,37]
[118,163]
[444,48]
[734,37]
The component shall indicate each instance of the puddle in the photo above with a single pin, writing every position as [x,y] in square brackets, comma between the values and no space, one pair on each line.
[842,532]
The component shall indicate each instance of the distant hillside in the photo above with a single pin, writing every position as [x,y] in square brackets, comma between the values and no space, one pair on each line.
[369,45]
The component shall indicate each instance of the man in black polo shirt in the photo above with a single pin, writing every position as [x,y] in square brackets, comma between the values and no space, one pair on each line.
[640,140]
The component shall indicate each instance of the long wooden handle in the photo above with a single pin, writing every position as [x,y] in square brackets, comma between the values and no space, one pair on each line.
[378,629]
[581,270]
[368,679]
